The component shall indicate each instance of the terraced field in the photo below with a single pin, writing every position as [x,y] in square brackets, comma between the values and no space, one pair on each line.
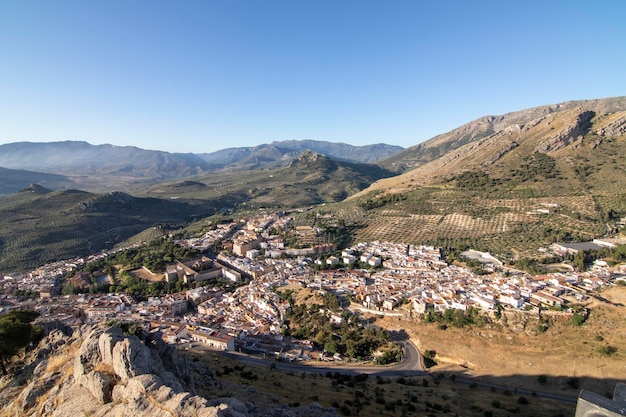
[510,227]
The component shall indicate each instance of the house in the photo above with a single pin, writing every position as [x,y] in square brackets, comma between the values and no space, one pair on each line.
[214,340]
[332,261]
[390,303]
[174,305]
[245,243]
[201,294]
[374,261]
[546,298]
[420,305]
[336,319]
[511,300]
[349,259]
[101,309]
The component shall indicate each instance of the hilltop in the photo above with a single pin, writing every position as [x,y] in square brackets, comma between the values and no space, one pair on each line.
[14,180]
[310,178]
[438,146]
[279,152]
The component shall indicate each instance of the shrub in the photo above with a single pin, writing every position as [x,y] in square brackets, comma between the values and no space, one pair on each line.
[606,350]
[578,319]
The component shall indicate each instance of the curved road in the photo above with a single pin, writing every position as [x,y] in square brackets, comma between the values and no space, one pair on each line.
[411,364]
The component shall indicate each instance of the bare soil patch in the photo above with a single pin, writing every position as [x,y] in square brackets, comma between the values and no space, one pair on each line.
[515,353]
[146,275]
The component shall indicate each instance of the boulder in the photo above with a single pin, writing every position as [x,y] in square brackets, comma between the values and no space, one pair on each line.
[106,343]
[99,384]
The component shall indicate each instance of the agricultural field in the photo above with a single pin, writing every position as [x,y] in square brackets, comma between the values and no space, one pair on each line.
[502,226]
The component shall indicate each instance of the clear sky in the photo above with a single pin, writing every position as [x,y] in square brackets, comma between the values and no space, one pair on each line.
[198,76]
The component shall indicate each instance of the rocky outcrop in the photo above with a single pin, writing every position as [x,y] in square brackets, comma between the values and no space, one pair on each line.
[571,133]
[615,128]
[116,374]
[124,358]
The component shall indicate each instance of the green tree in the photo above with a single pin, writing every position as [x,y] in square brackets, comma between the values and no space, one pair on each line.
[331,347]
[16,331]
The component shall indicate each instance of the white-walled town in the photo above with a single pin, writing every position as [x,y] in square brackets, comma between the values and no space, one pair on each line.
[401,279]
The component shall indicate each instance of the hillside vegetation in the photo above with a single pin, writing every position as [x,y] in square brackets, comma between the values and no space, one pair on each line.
[559,177]
[310,179]
[39,225]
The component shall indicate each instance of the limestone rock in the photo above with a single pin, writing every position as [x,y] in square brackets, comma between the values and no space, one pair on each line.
[570,134]
[88,354]
[120,375]
[106,343]
[131,358]
[99,385]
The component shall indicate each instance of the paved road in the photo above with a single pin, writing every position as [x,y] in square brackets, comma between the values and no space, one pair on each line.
[411,363]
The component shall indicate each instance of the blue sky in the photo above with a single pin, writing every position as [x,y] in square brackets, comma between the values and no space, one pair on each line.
[198,76]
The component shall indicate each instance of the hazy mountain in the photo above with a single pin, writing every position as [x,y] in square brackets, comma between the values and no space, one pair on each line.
[82,159]
[101,168]
[281,152]
[13,180]
[310,178]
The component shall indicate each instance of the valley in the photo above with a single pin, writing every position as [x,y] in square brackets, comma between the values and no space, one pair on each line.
[496,248]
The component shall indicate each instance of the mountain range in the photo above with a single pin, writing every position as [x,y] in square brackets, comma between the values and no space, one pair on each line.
[110,168]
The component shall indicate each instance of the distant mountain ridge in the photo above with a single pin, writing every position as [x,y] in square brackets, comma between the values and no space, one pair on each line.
[279,152]
[106,167]
[310,178]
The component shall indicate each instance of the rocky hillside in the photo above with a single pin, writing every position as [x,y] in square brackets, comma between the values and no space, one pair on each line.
[569,132]
[102,371]
[487,126]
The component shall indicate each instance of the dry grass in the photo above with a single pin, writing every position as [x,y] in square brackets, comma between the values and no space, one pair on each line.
[57,362]
[104,368]
[416,396]
[515,354]
[145,275]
